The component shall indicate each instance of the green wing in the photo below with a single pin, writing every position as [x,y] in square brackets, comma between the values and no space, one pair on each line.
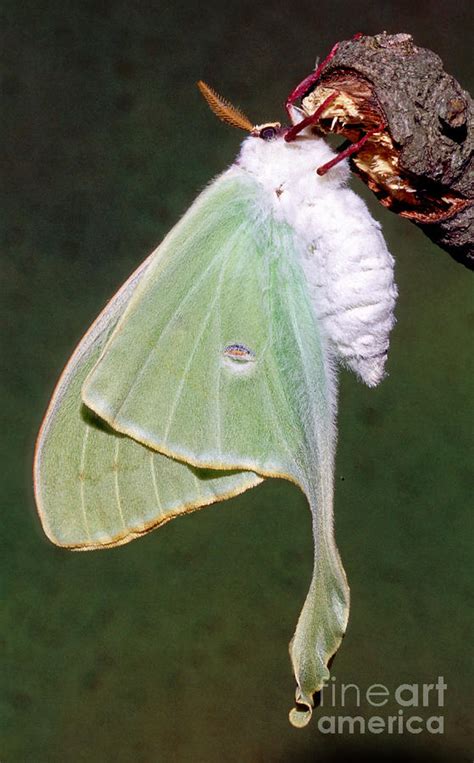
[217,361]
[95,488]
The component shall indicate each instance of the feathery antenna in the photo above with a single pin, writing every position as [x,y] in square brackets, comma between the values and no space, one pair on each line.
[223,109]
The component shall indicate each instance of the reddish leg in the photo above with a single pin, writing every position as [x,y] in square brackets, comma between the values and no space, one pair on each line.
[311,120]
[305,85]
[352,149]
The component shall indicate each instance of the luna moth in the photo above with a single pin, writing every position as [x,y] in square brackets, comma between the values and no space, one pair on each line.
[214,367]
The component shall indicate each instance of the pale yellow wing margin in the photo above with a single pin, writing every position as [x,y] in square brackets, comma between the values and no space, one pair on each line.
[95,488]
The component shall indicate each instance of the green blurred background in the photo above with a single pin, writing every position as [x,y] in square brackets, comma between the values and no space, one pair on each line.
[174,648]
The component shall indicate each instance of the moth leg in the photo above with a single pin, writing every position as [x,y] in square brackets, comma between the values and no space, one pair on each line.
[312,119]
[308,81]
[351,149]
[311,79]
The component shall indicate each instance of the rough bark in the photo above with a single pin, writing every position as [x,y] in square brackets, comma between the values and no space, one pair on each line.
[419,159]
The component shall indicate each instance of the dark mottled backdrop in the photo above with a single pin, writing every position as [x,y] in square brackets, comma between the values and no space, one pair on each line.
[174,648]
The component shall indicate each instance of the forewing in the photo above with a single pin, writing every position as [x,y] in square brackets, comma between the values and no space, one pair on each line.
[167,376]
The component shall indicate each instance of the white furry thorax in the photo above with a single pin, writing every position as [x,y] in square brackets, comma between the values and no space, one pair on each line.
[348,268]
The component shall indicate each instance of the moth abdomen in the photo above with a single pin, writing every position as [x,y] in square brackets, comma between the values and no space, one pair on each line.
[353,295]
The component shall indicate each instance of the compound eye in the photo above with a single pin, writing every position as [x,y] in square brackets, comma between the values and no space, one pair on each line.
[268,133]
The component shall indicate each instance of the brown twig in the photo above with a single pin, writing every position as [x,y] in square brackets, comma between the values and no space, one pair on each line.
[421,164]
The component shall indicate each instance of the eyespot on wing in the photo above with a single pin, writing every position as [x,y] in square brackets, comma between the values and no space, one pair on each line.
[238,357]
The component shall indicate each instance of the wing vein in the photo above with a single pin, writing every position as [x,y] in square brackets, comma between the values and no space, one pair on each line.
[116,484]
[198,486]
[81,482]
[155,484]
[218,380]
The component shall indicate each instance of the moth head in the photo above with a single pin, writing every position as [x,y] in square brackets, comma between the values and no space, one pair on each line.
[228,113]
[268,131]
